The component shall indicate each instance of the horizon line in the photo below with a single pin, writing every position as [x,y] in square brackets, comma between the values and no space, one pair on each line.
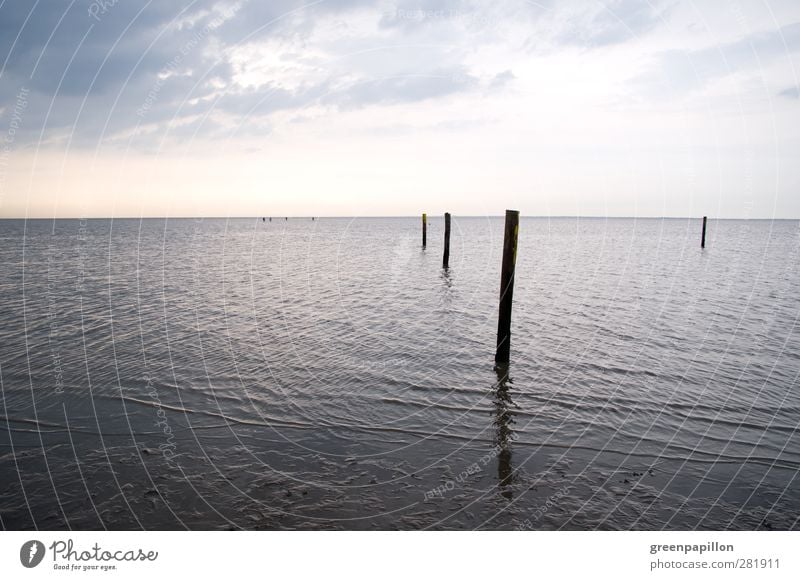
[316,217]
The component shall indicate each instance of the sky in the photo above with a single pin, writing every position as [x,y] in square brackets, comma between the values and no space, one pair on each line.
[122,108]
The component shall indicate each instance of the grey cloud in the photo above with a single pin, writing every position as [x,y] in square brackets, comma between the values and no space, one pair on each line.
[612,22]
[407,14]
[502,79]
[790,93]
[92,80]
[89,75]
[256,19]
[269,99]
[678,71]
[59,45]
[403,88]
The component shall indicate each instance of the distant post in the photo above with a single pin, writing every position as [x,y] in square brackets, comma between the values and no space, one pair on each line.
[446,257]
[424,229]
[703,239]
[503,353]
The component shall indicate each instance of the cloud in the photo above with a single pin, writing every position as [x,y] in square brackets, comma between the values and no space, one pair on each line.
[413,14]
[403,88]
[502,79]
[96,77]
[133,72]
[60,46]
[90,74]
[675,72]
[611,22]
[790,93]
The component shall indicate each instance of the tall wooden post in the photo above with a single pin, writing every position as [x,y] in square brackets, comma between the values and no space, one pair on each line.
[424,229]
[507,287]
[703,239]
[446,257]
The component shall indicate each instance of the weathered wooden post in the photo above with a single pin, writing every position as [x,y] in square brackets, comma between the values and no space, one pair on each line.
[703,239]
[446,258]
[424,229]
[507,287]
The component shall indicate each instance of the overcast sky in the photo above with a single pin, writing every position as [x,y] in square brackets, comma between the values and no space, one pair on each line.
[351,107]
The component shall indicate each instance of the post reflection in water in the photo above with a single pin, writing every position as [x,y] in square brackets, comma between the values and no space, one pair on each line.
[503,434]
[446,278]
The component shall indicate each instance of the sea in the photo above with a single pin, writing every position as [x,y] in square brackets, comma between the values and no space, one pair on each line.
[330,374]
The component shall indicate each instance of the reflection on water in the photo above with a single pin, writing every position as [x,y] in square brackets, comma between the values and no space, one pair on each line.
[447,278]
[503,434]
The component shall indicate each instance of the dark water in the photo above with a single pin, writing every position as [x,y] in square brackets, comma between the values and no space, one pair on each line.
[167,374]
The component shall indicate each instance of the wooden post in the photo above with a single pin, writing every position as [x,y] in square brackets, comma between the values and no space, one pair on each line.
[446,258]
[503,353]
[424,229]
[703,239]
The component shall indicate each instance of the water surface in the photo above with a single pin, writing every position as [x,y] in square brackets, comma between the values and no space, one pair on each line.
[328,374]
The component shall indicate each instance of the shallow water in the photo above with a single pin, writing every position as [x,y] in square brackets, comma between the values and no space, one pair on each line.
[204,374]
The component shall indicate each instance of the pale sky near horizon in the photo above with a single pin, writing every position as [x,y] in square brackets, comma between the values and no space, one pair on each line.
[358,107]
